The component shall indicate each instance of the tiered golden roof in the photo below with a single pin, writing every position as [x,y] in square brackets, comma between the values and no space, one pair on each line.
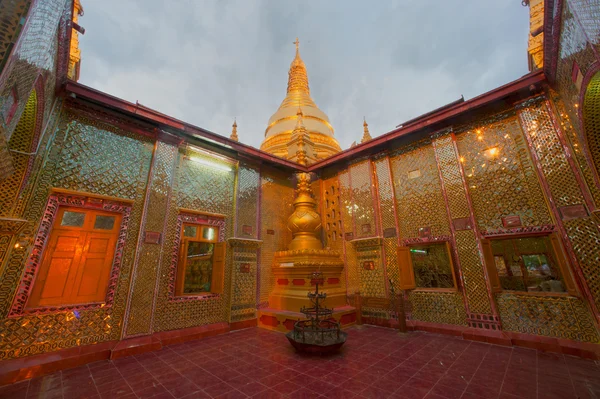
[282,123]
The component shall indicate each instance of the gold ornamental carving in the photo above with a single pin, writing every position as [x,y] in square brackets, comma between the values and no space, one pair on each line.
[305,222]
[305,255]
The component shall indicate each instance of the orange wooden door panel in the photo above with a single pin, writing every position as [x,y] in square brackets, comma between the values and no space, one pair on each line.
[63,252]
[77,261]
[218,272]
[91,282]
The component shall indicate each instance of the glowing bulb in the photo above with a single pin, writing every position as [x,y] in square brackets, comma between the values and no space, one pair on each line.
[491,152]
[211,164]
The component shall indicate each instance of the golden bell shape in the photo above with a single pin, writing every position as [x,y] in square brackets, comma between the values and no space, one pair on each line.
[305,222]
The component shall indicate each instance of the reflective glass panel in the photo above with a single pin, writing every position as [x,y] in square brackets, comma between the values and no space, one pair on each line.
[104,222]
[190,231]
[528,264]
[72,219]
[432,266]
[198,269]
[209,233]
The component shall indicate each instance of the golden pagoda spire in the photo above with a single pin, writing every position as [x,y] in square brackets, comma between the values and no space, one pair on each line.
[280,136]
[234,135]
[366,135]
[297,76]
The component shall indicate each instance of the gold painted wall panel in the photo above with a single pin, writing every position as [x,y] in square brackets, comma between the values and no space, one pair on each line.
[583,233]
[333,236]
[36,333]
[561,181]
[276,206]
[560,317]
[362,200]
[438,307]
[347,211]
[450,170]
[388,218]
[574,48]
[474,281]
[243,301]
[500,176]
[575,145]
[248,187]
[372,281]
[21,140]
[419,200]
[472,268]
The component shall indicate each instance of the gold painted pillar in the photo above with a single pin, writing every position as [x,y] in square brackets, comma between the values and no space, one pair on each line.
[143,287]
[481,309]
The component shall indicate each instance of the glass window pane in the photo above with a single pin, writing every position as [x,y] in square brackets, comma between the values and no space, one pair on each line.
[529,265]
[73,219]
[104,222]
[208,233]
[190,231]
[198,271]
[432,266]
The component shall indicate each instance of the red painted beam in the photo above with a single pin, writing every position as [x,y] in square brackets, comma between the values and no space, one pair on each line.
[156,117]
[492,96]
[521,85]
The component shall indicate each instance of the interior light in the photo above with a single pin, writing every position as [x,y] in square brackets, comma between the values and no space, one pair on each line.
[211,164]
[491,152]
[419,251]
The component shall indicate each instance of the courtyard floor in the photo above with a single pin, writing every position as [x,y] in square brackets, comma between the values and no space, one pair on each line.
[374,363]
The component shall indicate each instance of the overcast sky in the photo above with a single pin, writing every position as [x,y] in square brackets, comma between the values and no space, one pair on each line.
[206,62]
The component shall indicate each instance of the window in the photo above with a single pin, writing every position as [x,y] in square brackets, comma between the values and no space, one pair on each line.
[528,264]
[76,265]
[426,266]
[202,261]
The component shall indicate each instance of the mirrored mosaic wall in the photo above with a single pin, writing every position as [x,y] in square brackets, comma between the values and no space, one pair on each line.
[485,171]
[575,69]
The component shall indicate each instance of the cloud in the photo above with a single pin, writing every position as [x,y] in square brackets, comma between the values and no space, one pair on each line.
[208,62]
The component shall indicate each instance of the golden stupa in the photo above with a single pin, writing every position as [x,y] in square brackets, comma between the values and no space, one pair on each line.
[279,140]
[306,255]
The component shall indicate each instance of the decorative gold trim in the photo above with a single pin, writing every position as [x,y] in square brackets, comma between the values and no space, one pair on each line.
[287,118]
[196,212]
[11,225]
[361,243]
[90,195]
[244,242]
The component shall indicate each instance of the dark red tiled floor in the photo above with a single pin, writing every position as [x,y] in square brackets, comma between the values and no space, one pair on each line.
[375,363]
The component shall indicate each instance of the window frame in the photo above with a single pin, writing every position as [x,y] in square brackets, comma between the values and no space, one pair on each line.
[57,199]
[408,279]
[182,262]
[556,252]
[85,233]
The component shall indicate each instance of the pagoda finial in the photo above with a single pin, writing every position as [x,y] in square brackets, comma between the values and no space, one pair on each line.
[366,135]
[298,78]
[234,135]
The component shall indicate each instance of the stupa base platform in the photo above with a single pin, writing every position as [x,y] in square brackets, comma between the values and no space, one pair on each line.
[283,320]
